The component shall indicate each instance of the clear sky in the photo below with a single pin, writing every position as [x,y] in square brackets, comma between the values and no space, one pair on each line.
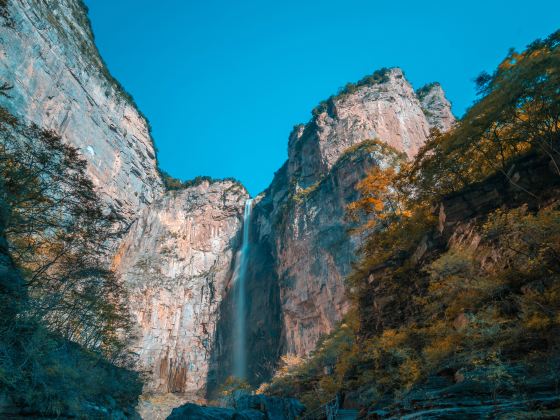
[224,81]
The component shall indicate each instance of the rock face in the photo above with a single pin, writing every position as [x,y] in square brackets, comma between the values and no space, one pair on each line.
[301,250]
[474,395]
[59,82]
[246,407]
[303,212]
[314,250]
[178,254]
[436,107]
[177,260]
[385,107]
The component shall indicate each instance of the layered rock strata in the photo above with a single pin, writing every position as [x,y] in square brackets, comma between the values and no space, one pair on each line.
[177,260]
[57,80]
[301,249]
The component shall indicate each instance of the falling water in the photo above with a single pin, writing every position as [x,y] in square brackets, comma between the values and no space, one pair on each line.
[240,338]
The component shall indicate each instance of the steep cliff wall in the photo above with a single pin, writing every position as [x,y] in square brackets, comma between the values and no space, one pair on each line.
[177,255]
[177,260]
[383,106]
[58,81]
[302,214]
[436,107]
[301,250]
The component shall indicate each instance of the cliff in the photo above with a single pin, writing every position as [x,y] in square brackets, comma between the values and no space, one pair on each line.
[177,261]
[454,301]
[58,81]
[454,307]
[306,203]
[301,250]
[178,253]
[382,106]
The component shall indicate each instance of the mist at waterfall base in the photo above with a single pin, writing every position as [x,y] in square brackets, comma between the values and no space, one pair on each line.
[240,274]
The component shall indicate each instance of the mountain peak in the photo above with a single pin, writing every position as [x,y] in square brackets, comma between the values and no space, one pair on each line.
[436,106]
[380,106]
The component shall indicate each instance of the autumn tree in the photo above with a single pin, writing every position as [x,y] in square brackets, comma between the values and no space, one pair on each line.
[518,113]
[57,235]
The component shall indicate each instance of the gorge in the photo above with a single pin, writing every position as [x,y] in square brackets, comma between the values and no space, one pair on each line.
[220,284]
[178,255]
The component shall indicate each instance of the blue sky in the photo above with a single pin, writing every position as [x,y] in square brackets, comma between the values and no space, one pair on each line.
[223,82]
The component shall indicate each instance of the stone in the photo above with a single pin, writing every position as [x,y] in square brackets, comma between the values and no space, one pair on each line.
[244,407]
[176,261]
[436,107]
[461,321]
[476,394]
[389,110]
[59,82]
[191,411]
[273,408]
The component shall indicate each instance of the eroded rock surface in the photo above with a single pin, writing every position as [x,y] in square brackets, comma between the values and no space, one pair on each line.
[303,212]
[177,260]
[436,107]
[386,108]
[58,81]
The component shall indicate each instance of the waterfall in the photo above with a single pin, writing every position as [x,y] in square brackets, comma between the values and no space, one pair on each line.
[240,274]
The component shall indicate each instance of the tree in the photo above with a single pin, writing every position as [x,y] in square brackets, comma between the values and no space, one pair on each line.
[518,113]
[57,235]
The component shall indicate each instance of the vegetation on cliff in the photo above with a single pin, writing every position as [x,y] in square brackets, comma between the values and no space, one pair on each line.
[379,76]
[64,335]
[174,184]
[471,308]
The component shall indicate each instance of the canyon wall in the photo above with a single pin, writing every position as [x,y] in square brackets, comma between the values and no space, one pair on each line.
[301,249]
[58,81]
[176,261]
[178,253]
[307,201]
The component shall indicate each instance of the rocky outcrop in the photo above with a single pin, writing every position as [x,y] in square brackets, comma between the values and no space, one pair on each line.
[246,407]
[58,81]
[382,106]
[176,260]
[315,251]
[474,395]
[436,107]
[197,412]
[301,216]
[532,180]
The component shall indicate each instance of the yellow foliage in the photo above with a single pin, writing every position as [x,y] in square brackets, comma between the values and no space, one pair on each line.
[392,338]
[538,322]
[289,363]
[410,372]
[451,305]
[441,348]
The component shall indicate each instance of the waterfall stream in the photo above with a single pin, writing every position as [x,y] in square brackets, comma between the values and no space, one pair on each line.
[240,273]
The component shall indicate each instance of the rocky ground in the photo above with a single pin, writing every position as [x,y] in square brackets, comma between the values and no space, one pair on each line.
[244,407]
